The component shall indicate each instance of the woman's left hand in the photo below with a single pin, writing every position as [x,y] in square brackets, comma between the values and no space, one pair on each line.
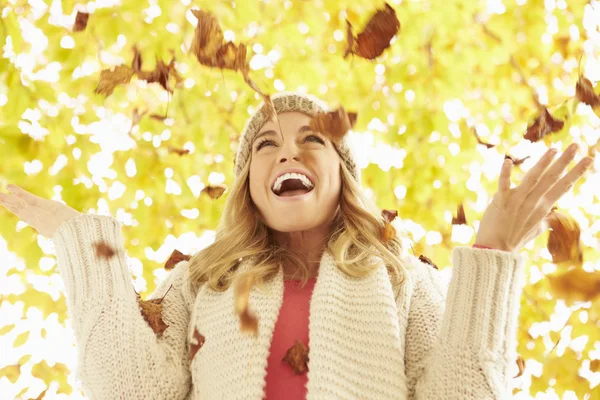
[516,216]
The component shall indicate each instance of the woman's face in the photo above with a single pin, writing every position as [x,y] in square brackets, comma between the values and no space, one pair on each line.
[303,152]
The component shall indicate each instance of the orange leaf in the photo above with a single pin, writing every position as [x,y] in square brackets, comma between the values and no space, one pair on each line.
[196,343]
[521,365]
[334,124]
[81,21]
[214,191]
[376,36]
[543,125]
[103,250]
[563,241]
[460,218]
[175,258]
[248,322]
[177,151]
[584,91]
[297,357]
[575,285]
[109,79]
[388,232]
[152,312]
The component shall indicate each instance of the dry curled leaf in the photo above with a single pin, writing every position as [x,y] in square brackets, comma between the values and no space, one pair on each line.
[109,79]
[427,261]
[488,145]
[175,258]
[521,365]
[574,285]
[179,152]
[334,124]
[388,232]
[297,357]
[584,91]
[209,47]
[214,191]
[81,21]
[152,312]
[136,63]
[248,322]
[516,161]
[376,36]
[103,250]
[460,218]
[563,241]
[543,125]
[196,343]
[268,110]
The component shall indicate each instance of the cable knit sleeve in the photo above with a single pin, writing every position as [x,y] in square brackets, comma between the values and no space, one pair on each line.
[119,355]
[461,344]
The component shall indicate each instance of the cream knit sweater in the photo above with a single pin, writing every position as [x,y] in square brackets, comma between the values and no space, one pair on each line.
[368,340]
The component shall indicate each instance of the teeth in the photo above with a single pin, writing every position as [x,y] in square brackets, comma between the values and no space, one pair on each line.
[303,178]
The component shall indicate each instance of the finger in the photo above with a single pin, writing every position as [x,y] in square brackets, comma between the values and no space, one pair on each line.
[566,182]
[532,177]
[550,177]
[504,181]
[11,203]
[25,195]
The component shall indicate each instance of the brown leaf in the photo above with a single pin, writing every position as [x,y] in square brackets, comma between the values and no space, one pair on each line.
[489,146]
[268,110]
[175,258]
[297,357]
[460,218]
[389,215]
[81,21]
[427,261]
[516,161]
[543,125]
[214,191]
[575,285]
[209,47]
[136,63]
[388,232]
[521,365]
[248,322]
[563,241]
[109,79]
[177,151]
[152,312]
[595,366]
[334,124]
[196,343]
[158,117]
[584,91]
[103,250]
[376,36]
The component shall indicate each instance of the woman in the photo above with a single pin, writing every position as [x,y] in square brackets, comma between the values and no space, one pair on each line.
[377,323]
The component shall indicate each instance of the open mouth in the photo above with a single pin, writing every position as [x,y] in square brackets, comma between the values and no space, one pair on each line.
[292,186]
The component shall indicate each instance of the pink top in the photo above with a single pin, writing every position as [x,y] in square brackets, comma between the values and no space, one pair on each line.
[291,325]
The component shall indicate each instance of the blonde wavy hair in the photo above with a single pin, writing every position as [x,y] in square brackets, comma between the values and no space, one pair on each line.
[242,234]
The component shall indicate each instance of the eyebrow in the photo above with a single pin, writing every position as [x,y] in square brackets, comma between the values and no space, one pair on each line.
[271,132]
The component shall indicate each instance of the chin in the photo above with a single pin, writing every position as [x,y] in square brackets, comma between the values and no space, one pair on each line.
[291,224]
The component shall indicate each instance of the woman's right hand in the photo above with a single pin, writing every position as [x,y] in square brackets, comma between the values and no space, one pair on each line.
[44,215]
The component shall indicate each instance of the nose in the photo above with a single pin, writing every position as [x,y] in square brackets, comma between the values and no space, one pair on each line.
[289,151]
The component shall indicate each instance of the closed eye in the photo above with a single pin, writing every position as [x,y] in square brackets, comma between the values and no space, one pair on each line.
[319,140]
[266,142]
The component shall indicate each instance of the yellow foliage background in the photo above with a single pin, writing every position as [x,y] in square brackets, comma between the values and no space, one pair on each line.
[456,67]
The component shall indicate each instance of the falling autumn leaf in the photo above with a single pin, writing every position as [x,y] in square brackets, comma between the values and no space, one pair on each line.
[516,161]
[297,357]
[388,232]
[177,151]
[103,250]
[521,365]
[595,366]
[542,126]
[110,79]
[584,91]
[175,258]
[376,36]
[489,146]
[214,191]
[248,322]
[152,312]
[136,63]
[427,261]
[196,343]
[563,240]
[574,285]
[460,218]
[81,20]
[334,124]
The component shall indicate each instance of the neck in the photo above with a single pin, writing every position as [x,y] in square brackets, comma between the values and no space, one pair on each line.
[310,244]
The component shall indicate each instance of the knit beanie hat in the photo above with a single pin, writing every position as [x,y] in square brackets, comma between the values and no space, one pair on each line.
[288,101]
